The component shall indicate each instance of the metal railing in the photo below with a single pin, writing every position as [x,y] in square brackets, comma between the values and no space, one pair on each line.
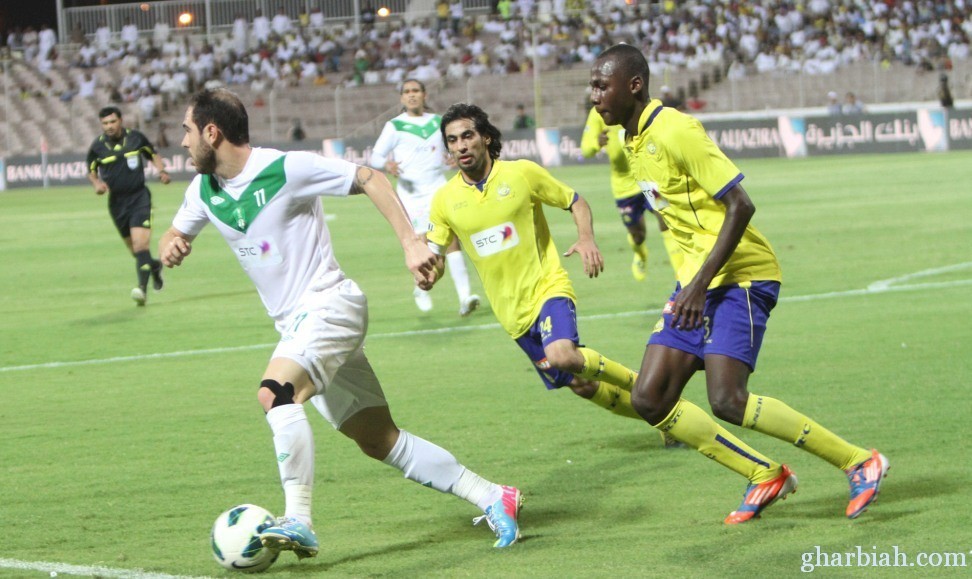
[209,17]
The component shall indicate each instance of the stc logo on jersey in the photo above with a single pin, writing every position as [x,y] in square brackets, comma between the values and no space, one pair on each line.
[495,239]
[255,253]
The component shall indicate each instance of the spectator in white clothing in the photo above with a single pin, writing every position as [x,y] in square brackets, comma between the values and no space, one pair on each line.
[281,23]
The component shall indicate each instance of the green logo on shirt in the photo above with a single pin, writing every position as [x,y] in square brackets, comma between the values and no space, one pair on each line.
[422,131]
[239,214]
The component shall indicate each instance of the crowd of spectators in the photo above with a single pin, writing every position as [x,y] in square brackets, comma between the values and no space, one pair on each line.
[743,38]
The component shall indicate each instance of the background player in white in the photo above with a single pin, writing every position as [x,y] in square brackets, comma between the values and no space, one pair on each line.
[410,148]
[265,204]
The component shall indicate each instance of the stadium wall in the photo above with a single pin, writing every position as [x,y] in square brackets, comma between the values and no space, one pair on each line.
[790,135]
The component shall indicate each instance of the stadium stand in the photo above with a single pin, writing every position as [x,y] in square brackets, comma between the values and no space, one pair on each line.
[717,56]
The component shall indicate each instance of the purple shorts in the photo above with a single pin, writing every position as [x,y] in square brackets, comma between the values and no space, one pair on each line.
[733,325]
[557,321]
[632,209]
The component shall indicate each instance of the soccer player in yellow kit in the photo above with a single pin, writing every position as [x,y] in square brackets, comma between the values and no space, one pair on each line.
[727,285]
[495,210]
[631,204]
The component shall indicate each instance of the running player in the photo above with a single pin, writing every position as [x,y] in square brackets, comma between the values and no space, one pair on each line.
[495,209]
[716,318]
[265,203]
[410,148]
[115,167]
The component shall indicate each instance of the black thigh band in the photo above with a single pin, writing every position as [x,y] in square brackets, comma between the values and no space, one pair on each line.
[281,394]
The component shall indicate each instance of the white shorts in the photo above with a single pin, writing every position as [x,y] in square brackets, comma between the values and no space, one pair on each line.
[418,208]
[325,336]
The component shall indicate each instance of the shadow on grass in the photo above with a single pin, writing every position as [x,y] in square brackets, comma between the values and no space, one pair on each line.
[130,311]
[202,297]
[325,563]
[894,493]
[322,563]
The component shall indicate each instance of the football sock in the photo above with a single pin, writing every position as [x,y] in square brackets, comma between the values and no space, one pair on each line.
[157,274]
[640,249]
[423,462]
[613,398]
[293,441]
[597,367]
[143,264]
[675,256]
[773,417]
[476,489]
[691,425]
[456,264]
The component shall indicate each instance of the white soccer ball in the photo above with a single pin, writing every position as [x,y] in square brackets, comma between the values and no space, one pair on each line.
[236,539]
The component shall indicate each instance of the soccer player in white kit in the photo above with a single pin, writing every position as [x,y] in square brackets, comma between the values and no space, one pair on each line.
[265,204]
[410,148]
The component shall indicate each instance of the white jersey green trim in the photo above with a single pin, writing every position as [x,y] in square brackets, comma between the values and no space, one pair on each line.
[422,131]
[239,214]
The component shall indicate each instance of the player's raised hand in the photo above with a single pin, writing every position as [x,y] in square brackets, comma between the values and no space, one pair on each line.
[590,254]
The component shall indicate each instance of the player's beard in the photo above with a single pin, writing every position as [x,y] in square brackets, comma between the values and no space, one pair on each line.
[205,160]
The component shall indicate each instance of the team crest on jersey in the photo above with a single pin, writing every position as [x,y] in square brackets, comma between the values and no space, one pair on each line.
[495,239]
[651,148]
[503,191]
[133,162]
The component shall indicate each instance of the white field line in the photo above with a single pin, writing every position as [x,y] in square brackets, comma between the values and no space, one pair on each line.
[877,287]
[886,283]
[85,571]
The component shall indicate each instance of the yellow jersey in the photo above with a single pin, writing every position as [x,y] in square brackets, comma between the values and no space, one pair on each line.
[501,227]
[683,174]
[623,184]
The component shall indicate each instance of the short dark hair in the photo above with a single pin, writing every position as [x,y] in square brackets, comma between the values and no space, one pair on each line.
[401,87]
[631,62]
[224,109]
[481,121]
[108,111]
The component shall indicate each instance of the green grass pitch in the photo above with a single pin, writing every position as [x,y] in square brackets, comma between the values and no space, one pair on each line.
[127,430]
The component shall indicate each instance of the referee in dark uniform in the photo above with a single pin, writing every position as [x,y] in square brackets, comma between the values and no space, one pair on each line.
[115,166]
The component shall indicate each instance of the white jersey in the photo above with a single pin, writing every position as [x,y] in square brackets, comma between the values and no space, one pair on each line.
[271,217]
[415,143]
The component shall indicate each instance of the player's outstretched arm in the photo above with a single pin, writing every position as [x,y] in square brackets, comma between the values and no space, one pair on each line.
[418,257]
[585,244]
[174,247]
